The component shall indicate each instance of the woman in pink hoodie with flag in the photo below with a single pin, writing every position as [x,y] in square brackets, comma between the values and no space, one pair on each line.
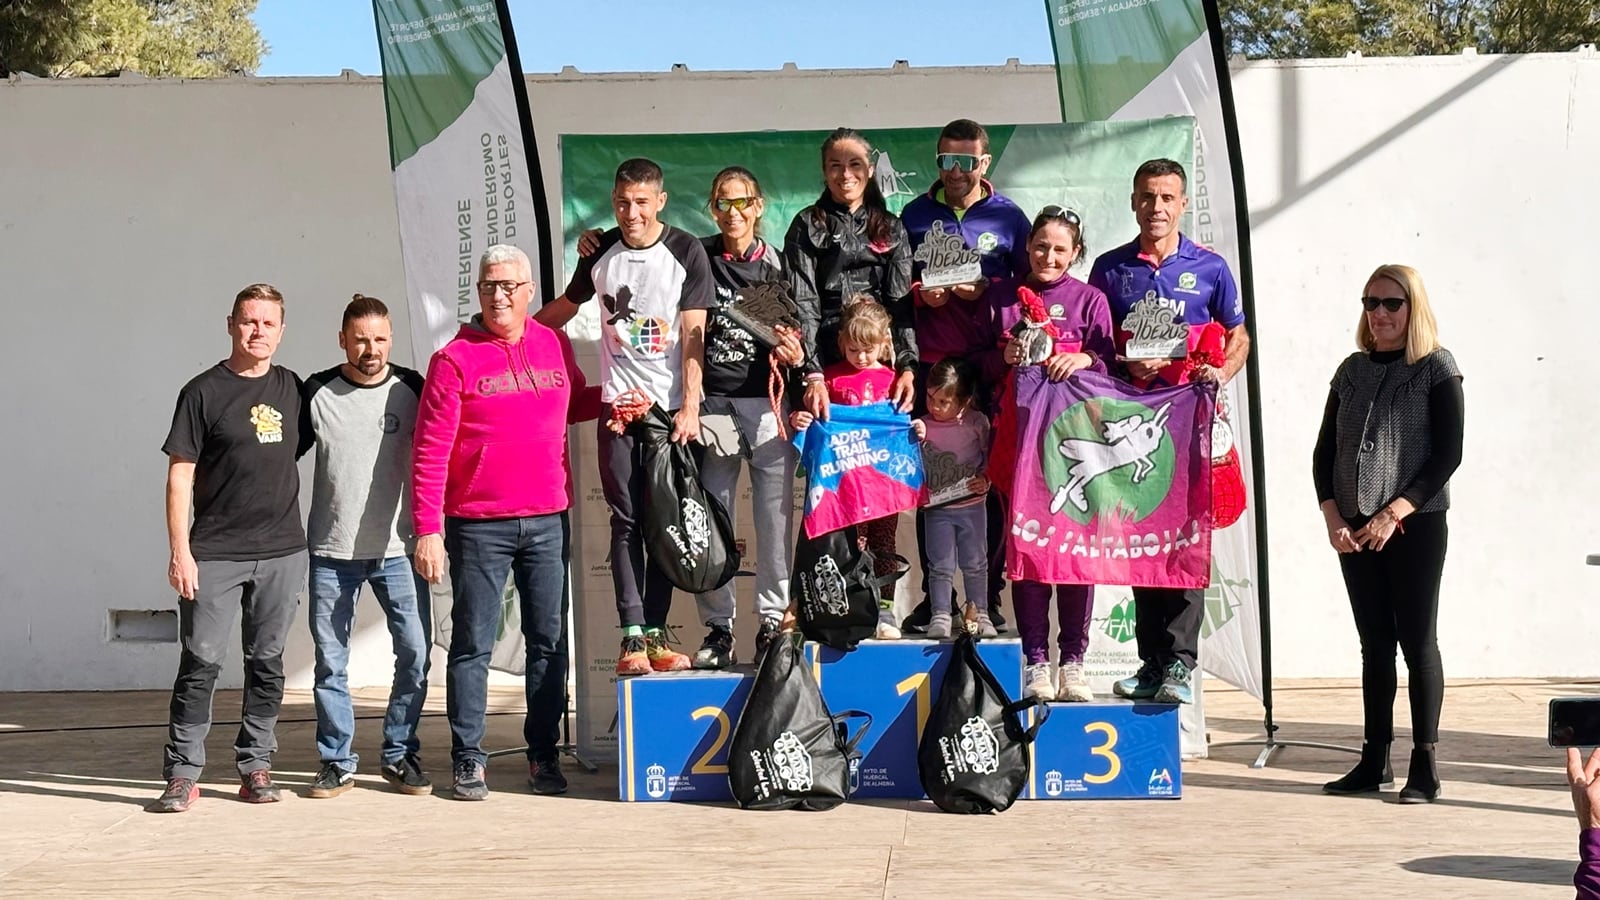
[1051,319]
[489,481]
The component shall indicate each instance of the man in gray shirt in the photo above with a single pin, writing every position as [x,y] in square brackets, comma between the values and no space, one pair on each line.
[362,416]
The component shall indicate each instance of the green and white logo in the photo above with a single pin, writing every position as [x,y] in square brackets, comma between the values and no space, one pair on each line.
[1187,281]
[988,241]
[1108,457]
[1120,623]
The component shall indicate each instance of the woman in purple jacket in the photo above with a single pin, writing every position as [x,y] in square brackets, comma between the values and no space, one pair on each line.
[1082,320]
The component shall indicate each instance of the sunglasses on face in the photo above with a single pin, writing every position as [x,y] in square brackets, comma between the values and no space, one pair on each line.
[1392,304]
[740,203]
[1062,213]
[966,162]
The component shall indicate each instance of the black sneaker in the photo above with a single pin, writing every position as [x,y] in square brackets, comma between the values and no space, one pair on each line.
[469,781]
[716,651]
[181,793]
[544,776]
[917,621]
[765,635]
[331,782]
[407,776]
[257,787]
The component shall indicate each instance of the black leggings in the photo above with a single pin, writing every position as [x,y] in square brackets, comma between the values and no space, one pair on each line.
[1394,594]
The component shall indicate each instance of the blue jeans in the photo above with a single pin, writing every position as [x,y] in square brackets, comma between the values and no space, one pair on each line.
[533,551]
[335,585]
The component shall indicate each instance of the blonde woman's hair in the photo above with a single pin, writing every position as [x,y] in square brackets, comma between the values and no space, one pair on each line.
[1422,331]
[865,323]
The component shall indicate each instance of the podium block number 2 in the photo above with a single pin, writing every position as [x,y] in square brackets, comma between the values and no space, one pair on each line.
[918,683]
[1107,750]
[704,765]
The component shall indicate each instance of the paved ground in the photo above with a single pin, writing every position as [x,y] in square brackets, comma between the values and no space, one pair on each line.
[72,820]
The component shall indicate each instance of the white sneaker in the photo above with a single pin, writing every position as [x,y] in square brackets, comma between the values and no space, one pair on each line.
[887,632]
[1071,686]
[1036,682]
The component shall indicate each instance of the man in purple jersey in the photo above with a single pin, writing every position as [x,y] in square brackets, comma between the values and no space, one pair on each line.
[1158,283]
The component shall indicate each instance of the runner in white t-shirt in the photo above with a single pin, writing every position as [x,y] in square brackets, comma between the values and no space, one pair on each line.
[655,286]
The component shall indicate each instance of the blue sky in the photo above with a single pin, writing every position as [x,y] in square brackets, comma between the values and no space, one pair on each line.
[321,37]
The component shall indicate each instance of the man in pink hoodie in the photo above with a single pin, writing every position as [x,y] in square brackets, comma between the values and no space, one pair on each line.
[489,476]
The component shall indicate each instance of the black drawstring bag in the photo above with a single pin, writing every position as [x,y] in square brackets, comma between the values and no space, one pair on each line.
[835,590]
[788,751]
[688,535]
[973,757]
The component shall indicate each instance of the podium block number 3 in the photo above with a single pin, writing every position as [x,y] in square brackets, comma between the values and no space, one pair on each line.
[704,765]
[1107,750]
[918,683]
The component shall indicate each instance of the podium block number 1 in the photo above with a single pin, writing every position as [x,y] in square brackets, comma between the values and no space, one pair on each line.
[704,765]
[918,683]
[1107,750]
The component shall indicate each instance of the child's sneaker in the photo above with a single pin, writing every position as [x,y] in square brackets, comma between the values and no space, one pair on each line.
[1036,682]
[984,627]
[663,658]
[1071,686]
[938,627]
[887,632]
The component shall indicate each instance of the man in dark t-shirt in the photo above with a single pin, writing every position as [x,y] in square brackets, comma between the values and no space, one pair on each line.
[236,434]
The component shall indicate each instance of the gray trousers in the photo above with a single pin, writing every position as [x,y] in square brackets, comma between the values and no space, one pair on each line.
[750,433]
[268,591]
[957,538]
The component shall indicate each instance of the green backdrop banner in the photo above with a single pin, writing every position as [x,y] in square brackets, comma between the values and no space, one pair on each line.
[1085,166]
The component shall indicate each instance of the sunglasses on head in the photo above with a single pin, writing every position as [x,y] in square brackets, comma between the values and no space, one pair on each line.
[966,162]
[1058,212]
[740,203]
[1392,304]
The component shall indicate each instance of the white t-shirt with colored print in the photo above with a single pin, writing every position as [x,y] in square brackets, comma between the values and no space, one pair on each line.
[642,292]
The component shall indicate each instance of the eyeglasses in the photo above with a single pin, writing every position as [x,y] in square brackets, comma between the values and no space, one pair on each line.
[1392,304]
[1058,212]
[490,288]
[740,203]
[966,162]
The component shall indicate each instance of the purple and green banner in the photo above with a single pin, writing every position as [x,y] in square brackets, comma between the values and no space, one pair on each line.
[1112,484]
[1139,60]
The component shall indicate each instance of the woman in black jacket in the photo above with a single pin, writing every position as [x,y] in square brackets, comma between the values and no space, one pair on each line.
[846,244]
[1390,440]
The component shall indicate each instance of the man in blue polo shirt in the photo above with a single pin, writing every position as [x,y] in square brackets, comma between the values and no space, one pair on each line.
[1156,284]
[964,204]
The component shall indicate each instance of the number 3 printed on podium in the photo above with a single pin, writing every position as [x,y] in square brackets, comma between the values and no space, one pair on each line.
[1107,750]
[704,765]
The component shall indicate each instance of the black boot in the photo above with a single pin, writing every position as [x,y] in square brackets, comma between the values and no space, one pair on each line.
[1370,774]
[1422,782]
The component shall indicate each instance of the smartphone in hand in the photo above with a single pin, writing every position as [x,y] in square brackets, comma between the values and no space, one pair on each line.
[1575,722]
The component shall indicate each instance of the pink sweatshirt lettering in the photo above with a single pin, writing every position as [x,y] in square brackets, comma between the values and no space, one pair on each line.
[491,437]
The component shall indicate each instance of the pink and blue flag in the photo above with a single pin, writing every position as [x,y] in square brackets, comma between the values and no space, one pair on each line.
[861,464]
[1113,484]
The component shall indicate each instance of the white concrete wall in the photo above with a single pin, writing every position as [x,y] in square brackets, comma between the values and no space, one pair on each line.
[131,211]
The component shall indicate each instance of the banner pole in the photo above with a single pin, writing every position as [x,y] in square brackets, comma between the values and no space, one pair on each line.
[530,150]
[1258,465]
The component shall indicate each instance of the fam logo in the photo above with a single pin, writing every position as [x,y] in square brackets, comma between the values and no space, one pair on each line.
[1160,784]
[1121,621]
[987,242]
[891,182]
[1113,458]
[1187,282]
[655,782]
[268,423]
